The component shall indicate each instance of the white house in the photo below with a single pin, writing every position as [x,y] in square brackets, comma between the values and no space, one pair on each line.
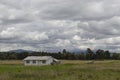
[40,60]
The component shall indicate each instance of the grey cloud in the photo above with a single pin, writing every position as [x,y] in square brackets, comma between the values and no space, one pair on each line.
[14,21]
[57,24]
[81,10]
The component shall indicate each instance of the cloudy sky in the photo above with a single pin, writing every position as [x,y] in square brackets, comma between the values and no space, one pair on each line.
[53,25]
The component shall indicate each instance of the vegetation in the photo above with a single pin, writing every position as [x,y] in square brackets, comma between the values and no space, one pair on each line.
[87,55]
[68,70]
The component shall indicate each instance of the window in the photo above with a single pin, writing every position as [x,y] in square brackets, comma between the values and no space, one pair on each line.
[34,62]
[27,62]
[43,61]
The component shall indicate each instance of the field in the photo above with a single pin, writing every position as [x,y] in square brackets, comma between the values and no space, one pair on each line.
[68,70]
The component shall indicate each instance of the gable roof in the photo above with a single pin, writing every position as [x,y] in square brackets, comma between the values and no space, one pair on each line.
[37,58]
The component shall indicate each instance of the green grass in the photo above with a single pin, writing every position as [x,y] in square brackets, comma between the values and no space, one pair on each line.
[68,70]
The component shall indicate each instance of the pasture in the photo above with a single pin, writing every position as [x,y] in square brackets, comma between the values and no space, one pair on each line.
[68,70]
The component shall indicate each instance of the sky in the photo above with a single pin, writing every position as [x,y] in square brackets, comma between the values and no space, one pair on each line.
[52,25]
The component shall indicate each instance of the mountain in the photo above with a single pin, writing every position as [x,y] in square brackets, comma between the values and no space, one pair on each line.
[20,50]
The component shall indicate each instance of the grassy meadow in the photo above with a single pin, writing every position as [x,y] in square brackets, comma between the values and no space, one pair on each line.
[68,70]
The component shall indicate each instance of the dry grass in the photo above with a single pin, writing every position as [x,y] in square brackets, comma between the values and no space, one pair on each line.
[68,70]
[20,62]
[11,62]
[72,62]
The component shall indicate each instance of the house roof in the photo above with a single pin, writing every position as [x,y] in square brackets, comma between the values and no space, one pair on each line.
[56,60]
[37,58]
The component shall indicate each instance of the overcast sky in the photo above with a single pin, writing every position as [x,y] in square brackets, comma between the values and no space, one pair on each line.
[53,25]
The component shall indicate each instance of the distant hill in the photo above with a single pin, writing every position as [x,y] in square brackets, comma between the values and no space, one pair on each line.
[78,51]
[20,50]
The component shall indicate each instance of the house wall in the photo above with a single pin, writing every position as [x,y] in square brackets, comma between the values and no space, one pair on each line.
[39,62]
[30,62]
[49,61]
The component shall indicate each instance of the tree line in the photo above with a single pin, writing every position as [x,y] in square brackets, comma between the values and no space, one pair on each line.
[87,55]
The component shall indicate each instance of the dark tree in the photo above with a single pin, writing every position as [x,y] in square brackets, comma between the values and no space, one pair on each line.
[64,51]
[89,54]
[107,55]
[100,54]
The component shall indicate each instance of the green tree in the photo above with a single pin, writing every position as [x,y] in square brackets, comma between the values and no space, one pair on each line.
[116,56]
[89,54]
[100,54]
[107,55]
[64,51]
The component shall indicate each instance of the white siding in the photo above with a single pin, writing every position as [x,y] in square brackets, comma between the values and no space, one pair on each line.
[49,61]
[39,62]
